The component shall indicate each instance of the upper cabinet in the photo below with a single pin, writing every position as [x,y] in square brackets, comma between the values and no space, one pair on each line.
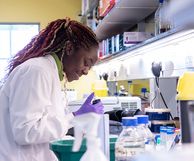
[124,15]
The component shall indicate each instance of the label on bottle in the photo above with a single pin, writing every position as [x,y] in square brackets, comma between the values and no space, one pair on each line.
[127,151]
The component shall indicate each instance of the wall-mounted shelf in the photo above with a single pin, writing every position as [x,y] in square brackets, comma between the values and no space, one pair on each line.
[119,54]
[124,15]
[174,49]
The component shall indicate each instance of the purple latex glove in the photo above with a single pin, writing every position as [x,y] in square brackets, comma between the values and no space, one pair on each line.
[89,107]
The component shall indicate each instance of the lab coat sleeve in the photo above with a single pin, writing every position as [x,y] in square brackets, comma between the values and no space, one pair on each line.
[31,117]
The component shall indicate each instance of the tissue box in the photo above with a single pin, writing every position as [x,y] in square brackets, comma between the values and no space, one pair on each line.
[131,38]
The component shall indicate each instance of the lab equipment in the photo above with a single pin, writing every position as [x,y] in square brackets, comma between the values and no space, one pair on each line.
[145,132]
[130,142]
[63,149]
[170,136]
[163,132]
[111,103]
[156,124]
[163,137]
[86,125]
[158,114]
[159,117]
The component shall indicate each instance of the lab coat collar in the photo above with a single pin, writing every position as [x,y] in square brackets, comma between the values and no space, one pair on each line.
[52,60]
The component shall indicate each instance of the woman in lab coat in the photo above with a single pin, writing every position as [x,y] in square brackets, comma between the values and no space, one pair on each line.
[31,101]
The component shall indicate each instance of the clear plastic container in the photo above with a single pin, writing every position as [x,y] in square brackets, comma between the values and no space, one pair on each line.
[170,136]
[163,134]
[130,142]
[143,122]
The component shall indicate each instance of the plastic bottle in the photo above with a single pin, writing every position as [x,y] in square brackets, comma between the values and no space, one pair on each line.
[130,142]
[163,134]
[145,131]
[170,136]
[158,17]
[86,125]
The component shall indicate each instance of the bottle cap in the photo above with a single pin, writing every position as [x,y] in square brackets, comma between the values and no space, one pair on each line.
[170,131]
[142,119]
[170,127]
[161,1]
[129,121]
[163,128]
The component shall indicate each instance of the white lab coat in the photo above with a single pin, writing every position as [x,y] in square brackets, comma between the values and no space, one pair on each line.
[32,112]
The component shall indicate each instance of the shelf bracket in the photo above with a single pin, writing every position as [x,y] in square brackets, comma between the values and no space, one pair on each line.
[141,26]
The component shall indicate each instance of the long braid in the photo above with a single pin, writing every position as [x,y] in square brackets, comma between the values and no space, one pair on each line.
[53,39]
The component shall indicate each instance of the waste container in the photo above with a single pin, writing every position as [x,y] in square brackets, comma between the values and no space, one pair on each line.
[63,150]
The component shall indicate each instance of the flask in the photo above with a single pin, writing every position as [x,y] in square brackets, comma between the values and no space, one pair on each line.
[130,142]
[145,132]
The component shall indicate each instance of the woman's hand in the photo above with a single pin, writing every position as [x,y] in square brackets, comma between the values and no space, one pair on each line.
[89,107]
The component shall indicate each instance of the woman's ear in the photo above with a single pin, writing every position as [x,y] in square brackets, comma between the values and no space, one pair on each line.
[68,48]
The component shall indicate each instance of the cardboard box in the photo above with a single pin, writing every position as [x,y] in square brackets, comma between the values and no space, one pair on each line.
[131,38]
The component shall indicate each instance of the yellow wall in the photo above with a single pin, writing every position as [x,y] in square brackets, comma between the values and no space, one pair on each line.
[135,87]
[84,84]
[41,11]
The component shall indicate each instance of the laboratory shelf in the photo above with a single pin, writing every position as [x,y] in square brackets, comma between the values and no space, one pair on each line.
[173,49]
[139,45]
[124,15]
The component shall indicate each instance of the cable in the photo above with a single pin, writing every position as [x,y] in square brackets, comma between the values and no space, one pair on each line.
[157,84]
[115,114]
[155,93]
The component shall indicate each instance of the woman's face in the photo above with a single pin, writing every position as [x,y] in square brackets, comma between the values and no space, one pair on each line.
[79,63]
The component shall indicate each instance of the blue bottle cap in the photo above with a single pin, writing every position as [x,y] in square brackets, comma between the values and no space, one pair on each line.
[170,131]
[129,121]
[163,128]
[142,119]
[143,90]
[170,127]
[161,1]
